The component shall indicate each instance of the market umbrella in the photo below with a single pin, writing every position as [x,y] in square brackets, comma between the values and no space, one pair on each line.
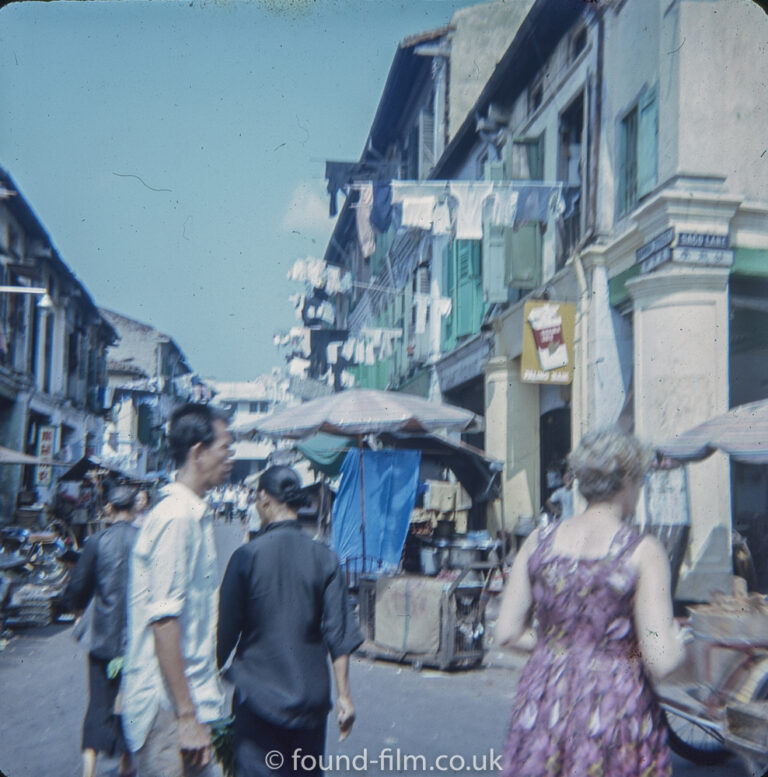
[366,411]
[742,433]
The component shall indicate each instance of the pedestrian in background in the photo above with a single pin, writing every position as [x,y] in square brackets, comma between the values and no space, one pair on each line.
[599,595]
[101,576]
[141,507]
[242,502]
[284,603]
[170,687]
[229,502]
[252,517]
[560,504]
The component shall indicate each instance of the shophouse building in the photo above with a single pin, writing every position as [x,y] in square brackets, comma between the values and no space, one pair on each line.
[646,119]
[148,377]
[655,110]
[52,356]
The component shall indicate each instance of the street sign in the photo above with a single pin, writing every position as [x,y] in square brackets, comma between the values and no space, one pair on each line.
[691,248]
[701,240]
[655,245]
[703,257]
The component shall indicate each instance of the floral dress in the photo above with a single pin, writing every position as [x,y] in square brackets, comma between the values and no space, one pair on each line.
[584,706]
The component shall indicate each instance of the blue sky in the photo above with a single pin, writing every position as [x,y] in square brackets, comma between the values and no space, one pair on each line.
[226,111]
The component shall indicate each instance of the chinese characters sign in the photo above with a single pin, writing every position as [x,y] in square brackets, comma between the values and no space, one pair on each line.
[46,441]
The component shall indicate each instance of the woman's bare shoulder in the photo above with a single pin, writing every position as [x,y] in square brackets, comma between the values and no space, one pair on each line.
[650,553]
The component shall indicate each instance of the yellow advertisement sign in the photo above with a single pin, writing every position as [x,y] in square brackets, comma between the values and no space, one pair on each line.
[548,342]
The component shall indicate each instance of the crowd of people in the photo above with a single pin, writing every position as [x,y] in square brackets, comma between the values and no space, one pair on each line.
[587,594]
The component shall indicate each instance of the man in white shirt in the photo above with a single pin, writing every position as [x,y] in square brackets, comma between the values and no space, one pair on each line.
[170,685]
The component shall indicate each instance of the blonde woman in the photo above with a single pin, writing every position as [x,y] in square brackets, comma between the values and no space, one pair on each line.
[599,595]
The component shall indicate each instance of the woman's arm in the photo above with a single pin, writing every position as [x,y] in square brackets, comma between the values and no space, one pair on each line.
[661,642]
[516,602]
[232,601]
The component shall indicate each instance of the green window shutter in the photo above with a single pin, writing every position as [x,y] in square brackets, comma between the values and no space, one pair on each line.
[523,246]
[493,248]
[647,142]
[469,283]
[622,187]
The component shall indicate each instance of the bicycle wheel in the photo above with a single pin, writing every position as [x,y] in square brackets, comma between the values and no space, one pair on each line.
[693,742]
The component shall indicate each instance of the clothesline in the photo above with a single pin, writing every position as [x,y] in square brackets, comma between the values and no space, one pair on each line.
[460,209]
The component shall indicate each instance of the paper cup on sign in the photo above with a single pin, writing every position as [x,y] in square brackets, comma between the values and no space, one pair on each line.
[547,327]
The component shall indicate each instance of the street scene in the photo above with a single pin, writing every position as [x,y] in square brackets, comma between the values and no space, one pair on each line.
[449,454]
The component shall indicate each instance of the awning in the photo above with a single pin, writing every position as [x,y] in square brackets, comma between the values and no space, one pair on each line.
[80,468]
[742,433]
[476,472]
[325,452]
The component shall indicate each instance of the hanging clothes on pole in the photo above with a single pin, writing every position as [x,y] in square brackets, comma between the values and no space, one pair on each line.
[365,232]
[470,199]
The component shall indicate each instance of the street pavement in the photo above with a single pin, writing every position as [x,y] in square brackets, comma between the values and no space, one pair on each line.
[408,722]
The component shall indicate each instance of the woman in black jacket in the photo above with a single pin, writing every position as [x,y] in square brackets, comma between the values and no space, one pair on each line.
[284,597]
[101,574]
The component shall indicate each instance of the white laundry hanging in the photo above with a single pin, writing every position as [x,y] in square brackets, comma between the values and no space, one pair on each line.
[422,306]
[365,232]
[418,212]
[503,210]
[332,353]
[298,367]
[348,349]
[470,199]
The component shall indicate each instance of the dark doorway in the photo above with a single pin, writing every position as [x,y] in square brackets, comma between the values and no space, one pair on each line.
[555,445]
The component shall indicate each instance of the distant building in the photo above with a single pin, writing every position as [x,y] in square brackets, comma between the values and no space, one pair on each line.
[53,372]
[249,401]
[148,376]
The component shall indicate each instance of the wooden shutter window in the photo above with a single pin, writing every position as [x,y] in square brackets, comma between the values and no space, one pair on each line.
[647,143]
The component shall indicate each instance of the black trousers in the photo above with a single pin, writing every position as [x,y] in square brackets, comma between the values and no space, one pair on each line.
[102,730]
[263,749]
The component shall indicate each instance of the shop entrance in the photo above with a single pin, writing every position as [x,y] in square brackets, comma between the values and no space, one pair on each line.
[555,445]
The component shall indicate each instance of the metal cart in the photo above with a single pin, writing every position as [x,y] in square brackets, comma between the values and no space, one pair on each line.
[460,618]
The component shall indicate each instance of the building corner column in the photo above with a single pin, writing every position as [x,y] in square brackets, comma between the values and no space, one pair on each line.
[681,357]
[512,437]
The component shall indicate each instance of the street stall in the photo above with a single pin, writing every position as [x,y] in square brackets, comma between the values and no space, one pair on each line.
[431,611]
[717,704]
[80,499]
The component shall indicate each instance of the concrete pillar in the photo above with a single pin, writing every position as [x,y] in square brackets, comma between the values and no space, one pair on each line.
[512,436]
[681,379]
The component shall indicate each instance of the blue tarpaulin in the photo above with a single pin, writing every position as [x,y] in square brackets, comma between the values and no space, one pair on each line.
[390,481]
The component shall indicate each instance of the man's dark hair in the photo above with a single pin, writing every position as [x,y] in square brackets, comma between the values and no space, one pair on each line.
[190,424]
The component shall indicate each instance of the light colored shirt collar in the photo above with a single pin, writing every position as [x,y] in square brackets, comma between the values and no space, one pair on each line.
[196,506]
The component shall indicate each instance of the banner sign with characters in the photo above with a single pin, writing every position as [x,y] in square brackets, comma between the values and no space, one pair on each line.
[548,342]
[46,442]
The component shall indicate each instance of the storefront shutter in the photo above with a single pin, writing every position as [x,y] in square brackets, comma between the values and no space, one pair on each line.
[647,142]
